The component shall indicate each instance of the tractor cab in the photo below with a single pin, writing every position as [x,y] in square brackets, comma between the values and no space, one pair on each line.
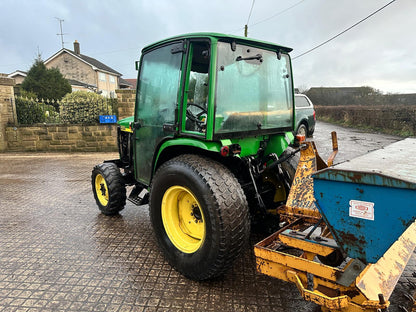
[208,87]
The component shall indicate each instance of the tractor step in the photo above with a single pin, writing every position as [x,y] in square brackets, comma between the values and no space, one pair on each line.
[139,195]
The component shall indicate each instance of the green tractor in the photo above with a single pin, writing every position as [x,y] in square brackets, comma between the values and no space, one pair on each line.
[209,147]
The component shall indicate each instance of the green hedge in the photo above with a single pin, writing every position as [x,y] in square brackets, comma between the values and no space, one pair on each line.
[30,111]
[85,107]
[79,107]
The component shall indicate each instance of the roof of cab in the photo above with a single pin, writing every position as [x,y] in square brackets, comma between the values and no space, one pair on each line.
[218,36]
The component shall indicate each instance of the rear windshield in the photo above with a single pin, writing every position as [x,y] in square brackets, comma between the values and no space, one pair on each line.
[253,91]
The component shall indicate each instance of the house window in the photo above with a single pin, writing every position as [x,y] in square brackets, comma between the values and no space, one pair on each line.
[104,93]
[112,79]
[101,76]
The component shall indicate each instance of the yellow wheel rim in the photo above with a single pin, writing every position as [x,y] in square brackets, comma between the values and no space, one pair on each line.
[183,219]
[101,189]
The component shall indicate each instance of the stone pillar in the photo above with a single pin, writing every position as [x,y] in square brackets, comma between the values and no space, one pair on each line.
[126,99]
[7,109]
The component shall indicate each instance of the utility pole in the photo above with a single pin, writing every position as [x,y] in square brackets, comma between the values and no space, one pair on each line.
[61,33]
[248,19]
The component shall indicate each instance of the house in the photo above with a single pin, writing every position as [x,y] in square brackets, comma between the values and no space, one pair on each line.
[84,72]
[18,76]
[128,83]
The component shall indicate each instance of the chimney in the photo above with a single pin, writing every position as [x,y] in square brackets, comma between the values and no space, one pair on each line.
[76,47]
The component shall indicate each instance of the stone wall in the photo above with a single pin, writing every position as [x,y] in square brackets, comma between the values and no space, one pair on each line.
[7,109]
[57,138]
[126,100]
[70,138]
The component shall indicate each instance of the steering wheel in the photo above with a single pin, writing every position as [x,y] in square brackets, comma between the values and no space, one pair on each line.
[193,120]
[192,116]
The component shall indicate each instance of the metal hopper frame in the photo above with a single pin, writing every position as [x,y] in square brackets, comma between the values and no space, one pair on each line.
[348,231]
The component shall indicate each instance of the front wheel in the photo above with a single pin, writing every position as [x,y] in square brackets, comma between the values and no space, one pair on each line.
[302,130]
[108,188]
[199,214]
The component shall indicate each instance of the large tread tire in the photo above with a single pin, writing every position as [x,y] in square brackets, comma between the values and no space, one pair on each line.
[290,165]
[224,208]
[109,188]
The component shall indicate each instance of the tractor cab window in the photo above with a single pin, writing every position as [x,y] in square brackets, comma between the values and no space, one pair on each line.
[158,86]
[253,89]
[156,103]
[196,97]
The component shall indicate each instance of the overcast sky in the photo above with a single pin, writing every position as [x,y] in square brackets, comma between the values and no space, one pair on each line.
[380,52]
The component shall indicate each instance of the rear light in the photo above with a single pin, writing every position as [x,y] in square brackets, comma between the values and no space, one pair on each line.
[300,138]
[230,150]
[314,116]
[225,150]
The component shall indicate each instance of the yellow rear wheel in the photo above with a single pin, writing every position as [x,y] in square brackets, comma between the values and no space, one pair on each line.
[183,219]
[199,214]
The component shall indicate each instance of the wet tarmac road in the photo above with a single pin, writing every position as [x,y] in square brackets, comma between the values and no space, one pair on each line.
[351,142]
[58,253]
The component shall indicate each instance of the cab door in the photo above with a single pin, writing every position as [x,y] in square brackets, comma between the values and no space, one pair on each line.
[196,96]
[156,104]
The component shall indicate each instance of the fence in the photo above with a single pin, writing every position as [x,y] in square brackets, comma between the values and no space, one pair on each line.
[35,111]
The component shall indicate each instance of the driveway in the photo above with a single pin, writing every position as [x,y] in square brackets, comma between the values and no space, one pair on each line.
[58,253]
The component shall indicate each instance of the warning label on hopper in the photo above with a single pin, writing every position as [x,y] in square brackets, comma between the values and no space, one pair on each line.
[361,209]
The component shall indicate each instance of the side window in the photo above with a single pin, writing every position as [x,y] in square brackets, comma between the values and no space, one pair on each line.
[159,86]
[196,99]
[300,101]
